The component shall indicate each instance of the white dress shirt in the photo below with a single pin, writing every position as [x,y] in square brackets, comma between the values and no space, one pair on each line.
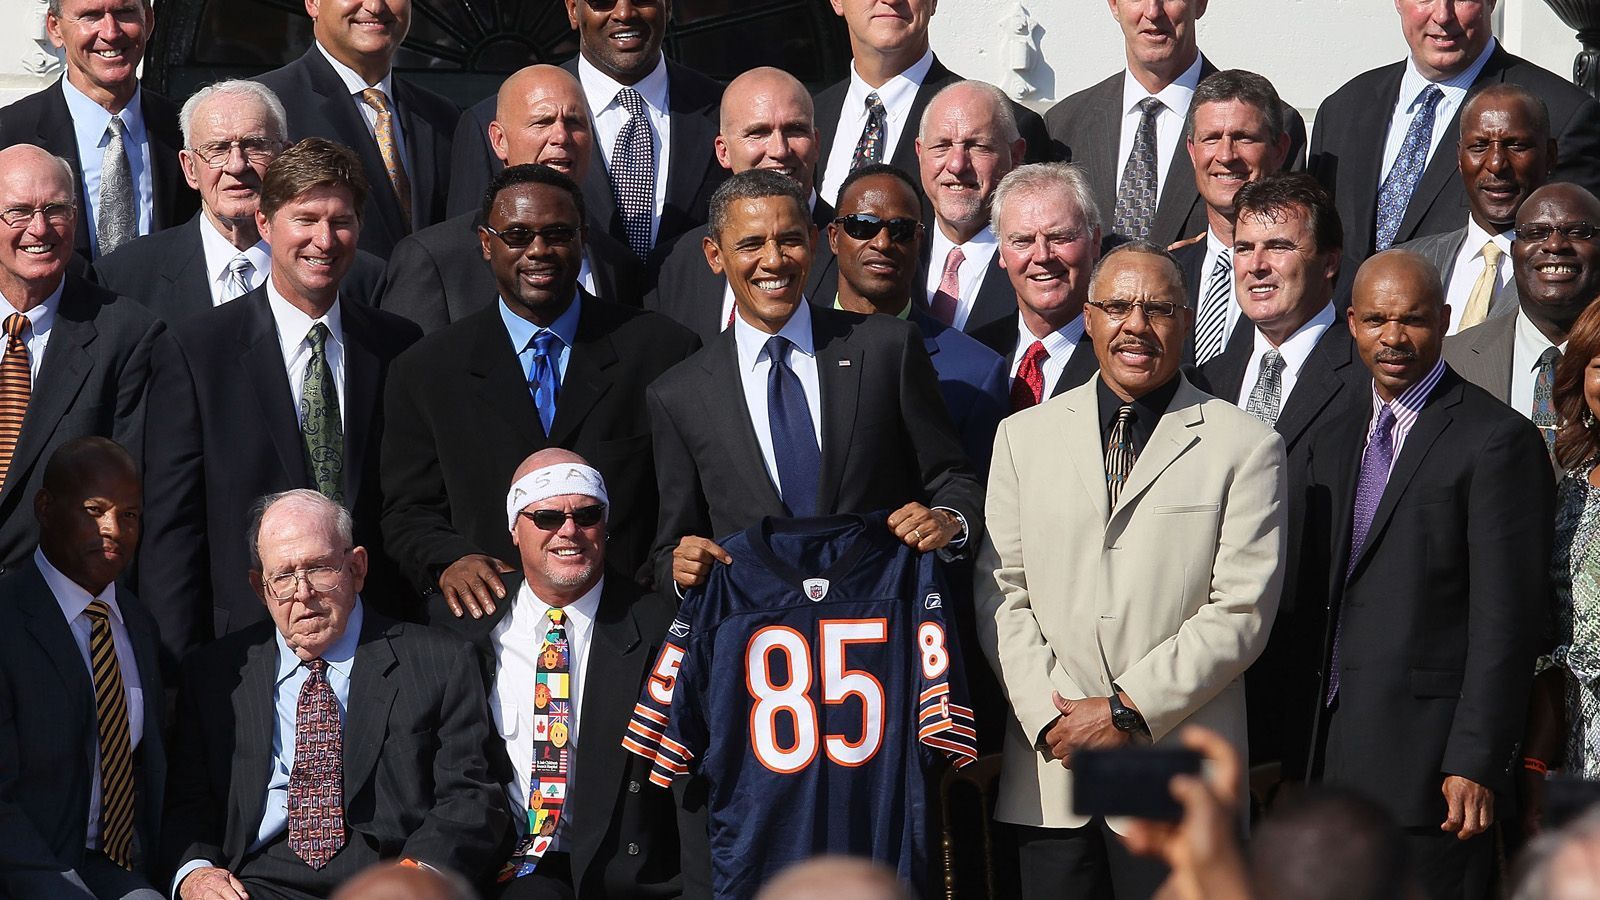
[355,84]
[1527,343]
[1469,263]
[1174,99]
[516,641]
[89,122]
[1060,344]
[1412,84]
[41,319]
[220,252]
[293,328]
[600,90]
[754,364]
[73,600]
[897,95]
[1214,248]
[1295,351]
[977,254]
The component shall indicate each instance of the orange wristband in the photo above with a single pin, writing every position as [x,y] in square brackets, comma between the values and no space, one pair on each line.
[1536,765]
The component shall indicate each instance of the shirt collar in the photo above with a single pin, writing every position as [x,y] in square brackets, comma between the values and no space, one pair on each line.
[1413,398]
[70,596]
[1057,343]
[90,117]
[354,83]
[581,612]
[985,241]
[601,89]
[1214,245]
[1477,237]
[1297,348]
[41,316]
[219,252]
[340,657]
[523,332]
[293,325]
[895,93]
[1175,96]
[751,340]
[1530,342]
[1413,81]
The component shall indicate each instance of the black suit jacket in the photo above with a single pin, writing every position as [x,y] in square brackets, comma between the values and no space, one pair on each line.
[49,736]
[416,745]
[461,420]
[224,433]
[1087,129]
[1347,149]
[319,105]
[886,437]
[42,119]
[1443,610]
[438,275]
[93,380]
[613,809]
[166,271]
[1001,337]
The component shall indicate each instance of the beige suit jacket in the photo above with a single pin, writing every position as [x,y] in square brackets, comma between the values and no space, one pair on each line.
[1174,590]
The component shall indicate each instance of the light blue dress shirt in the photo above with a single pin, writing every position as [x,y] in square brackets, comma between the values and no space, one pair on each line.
[89,122]
[522,333]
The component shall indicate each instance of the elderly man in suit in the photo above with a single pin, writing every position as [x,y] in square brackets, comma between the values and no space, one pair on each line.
[1431,506]
[1129,575]
[1505,154]
[310,746]
[81,761]
[232,131]
[121,140]
[1405,186]
[437,275]
[1128,131]
[76,358]
[344,89]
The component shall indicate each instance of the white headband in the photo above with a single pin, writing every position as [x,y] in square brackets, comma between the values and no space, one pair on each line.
[553,481]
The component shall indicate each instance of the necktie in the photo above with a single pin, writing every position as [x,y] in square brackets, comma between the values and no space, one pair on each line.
[238,282]
[552,733]
[1483,289]
[545,381]
[1396,190]
[869,149]
[948,297]
[1136,193]
[319,419]
[1375,463]
[316,782]
[1120,453]
[116,750]
[633,173]
[116,215]
[1544,411]
[794,441]
[1266,398]
[1213,321]
[16,379]
[389,149]
[1027,389]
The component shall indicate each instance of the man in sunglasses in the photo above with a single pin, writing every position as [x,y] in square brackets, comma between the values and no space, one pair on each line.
[1140,504]
[564,658]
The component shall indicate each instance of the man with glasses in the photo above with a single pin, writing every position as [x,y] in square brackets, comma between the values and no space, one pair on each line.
[1138,503]
[334,737]
[546,365]
[232,131]
[278,389]
[570,647]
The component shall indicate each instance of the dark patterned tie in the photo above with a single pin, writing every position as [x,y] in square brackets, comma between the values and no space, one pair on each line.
[947,299]
[869,148]
[16,380]
[116,747]
[545,381]
[1136,194]
[1213,319]
[316,783]
[319,420]
[117,216]
[1376,461]
[1120,453]
[794,440]
[1266,398]
[1027,389]
[1544,411]
[633,172]
[1396,190]
[552,750]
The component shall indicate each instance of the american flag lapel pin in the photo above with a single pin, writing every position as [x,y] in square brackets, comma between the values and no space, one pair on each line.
[843,363]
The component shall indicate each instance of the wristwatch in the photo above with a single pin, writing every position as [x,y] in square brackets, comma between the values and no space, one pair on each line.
[1123,716]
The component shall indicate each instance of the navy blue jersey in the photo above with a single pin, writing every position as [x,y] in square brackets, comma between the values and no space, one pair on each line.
[813,683]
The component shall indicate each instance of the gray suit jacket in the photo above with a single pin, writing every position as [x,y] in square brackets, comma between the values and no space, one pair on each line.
[1441,250]
[1482,355]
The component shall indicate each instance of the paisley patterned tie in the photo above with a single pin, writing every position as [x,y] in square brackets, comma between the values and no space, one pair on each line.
[319,420]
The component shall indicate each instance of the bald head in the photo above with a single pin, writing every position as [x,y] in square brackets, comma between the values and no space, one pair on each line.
[540,117]
[769,122]
[548,457]
[1398,318]
[835,878]
[393,881]
[32,180]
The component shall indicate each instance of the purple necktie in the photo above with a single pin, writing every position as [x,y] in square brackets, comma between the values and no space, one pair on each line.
[1375,464]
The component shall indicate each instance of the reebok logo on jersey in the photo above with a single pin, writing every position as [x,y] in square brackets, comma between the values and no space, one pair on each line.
[932,601]
[679,628]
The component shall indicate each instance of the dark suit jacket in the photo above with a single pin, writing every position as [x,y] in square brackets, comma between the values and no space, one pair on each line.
[1441,249]
[996,299]
[166,271]
[692,173]
[613,808]
[42,119]
[886,438]
[973,383]
[1347,149]
[225,432]
[689,293]
[1443,611]
[1191,261]
[1001,337]
[319,105]
[49,736]
[92,380]
[416,743]
[1482,355]
[461,420]
[438,275]
[1087,129]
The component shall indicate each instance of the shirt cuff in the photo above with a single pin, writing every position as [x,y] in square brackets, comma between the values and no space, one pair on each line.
[959,542]
[183,873]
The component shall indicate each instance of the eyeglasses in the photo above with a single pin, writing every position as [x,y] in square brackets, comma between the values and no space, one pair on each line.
[54,213]
[320,579]
[1538,232]
[255,150]
[552,519]
[609,5]
[519,238]
[864,227]
[1117,310]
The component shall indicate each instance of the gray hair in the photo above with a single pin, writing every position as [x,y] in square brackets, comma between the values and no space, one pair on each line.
[54,7]
[1066,180]
[753,184]
[277,118]
[1004,116]
[1534,870]
[1244,87]
[333,513]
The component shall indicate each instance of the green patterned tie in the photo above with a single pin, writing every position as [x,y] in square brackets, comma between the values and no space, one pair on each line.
[319,420]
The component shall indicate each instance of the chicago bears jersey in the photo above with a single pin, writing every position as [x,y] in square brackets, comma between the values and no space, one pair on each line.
[812,682]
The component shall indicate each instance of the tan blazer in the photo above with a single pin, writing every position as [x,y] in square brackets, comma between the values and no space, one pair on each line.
[1174,590]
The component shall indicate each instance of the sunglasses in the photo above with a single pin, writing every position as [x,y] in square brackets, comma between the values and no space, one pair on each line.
[551,519]
[609,5]
[863,227]
[519,238]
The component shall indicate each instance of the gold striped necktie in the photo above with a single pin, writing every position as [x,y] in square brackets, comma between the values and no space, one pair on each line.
[389,149]
[15,385]
[116,751]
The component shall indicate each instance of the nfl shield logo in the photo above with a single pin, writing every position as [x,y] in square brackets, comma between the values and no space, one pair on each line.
[816,588]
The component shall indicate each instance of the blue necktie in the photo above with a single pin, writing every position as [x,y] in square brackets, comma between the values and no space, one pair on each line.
[1396,190]
[794,441]
[544,381]
[1375,463]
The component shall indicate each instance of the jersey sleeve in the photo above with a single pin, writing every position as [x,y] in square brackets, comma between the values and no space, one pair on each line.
[944,716]
[666,726]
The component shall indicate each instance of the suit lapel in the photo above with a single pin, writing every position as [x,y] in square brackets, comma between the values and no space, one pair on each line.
[42,618]
[692,133]
[839,379]
[419,146]
[617,652]
[499,380]
[1084,448]
[1365,170]
[1493,344]
[1171,438]
[1431,424]
[1225,375]
[254,712]
[1081,367]
[261,357]
[339,107]
[1179,196]
[996,298]
[1319,382]
[904,156]
[362,369]
[725,387]
[66,366]
[165,141]
[1099,157]
[184,270]
[367,708]
[587,378]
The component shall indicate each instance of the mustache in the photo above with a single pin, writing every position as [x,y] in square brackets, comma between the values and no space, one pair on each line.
[1140,343]
[1394,355]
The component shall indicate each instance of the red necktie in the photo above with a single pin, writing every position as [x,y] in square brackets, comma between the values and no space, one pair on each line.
[1027,389]
[316,783]
[947,298]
